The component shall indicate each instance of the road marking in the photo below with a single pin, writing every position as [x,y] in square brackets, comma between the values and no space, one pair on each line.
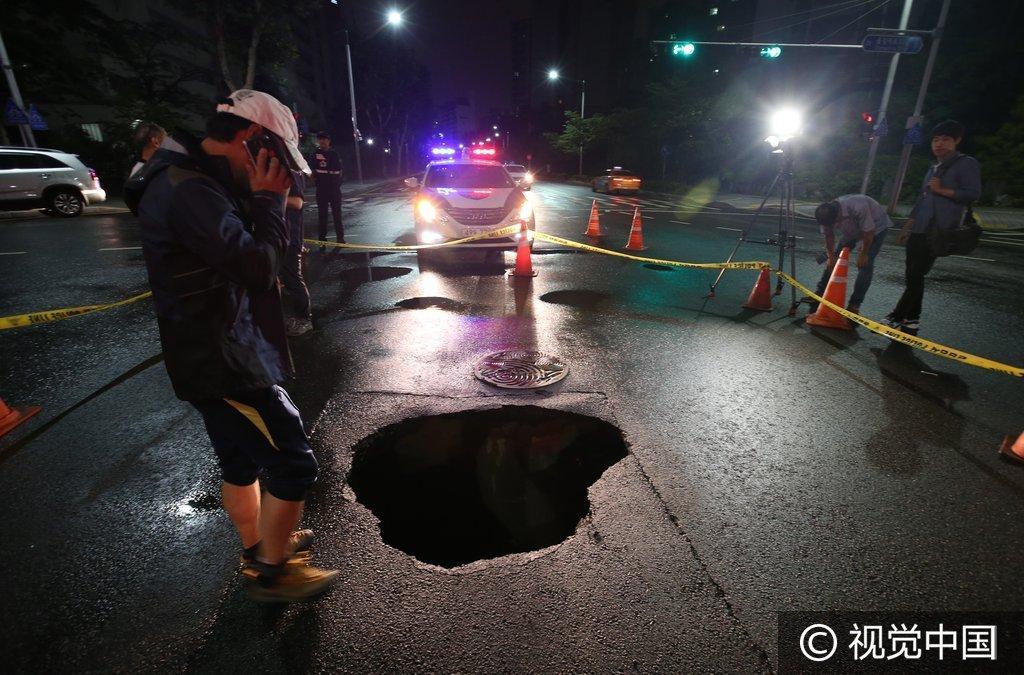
[122,248]
[14,253]
[967,257]
[681,222]
[1004,243]
[731,229]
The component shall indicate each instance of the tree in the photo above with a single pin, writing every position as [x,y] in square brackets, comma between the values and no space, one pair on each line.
[1002,155]
[256,33]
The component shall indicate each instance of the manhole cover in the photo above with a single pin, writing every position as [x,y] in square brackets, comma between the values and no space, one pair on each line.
[451,489]
[520,369]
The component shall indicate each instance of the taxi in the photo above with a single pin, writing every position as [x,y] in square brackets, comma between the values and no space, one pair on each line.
[617,179]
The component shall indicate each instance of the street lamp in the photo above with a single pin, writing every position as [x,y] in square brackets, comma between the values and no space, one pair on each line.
[395,17]
[369,141]
[553,75]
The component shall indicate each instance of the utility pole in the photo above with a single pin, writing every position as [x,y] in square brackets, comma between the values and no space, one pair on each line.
[27,137]
[873,150]
[901,171]
[352,97]
[583,100]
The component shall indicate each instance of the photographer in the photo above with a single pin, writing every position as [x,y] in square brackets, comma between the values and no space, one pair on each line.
[950,185]
[213,235]
[861,221]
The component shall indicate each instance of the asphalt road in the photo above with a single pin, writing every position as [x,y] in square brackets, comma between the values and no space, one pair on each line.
[771,466]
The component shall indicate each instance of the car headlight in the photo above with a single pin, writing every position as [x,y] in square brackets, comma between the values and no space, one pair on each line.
[430,237]
[526,211]
[528,177]
[426,210]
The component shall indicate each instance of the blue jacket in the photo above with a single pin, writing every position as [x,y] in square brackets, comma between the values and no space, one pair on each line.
[212,259]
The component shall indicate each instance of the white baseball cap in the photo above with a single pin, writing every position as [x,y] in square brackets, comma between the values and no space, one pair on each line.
[266,111]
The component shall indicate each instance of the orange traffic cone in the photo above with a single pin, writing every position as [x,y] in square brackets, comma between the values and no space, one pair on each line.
[835,292]
[524,264]
[1012,450]
[593,225]
[636,234]
[761,294]
[12,417]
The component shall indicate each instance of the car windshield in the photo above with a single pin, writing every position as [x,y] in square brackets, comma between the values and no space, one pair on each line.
[467,176]
[518,168]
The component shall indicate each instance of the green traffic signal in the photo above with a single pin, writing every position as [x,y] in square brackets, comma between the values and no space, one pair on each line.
[683,49]
[772,52]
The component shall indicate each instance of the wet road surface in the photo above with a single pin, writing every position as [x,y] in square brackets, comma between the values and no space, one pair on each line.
[770,466]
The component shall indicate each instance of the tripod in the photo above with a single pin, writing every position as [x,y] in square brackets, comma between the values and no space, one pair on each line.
[785,240]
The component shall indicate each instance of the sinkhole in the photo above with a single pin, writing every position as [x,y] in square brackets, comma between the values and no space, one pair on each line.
[455,488]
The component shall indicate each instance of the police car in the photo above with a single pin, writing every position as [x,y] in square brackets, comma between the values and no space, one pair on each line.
[520,175]
[462,197]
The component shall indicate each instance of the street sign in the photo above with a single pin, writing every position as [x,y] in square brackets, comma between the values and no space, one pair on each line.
[893,44]
[13,114]
[914,135]
[36,120]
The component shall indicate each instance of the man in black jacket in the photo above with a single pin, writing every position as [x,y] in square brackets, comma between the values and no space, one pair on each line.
[213,236]
[327,174]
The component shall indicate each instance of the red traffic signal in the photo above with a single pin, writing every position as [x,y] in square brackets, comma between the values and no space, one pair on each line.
[867,117]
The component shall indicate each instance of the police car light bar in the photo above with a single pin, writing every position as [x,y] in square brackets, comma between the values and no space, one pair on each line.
[442,151]
[483,151]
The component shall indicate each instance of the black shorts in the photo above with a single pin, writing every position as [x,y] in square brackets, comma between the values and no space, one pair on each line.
[260,432]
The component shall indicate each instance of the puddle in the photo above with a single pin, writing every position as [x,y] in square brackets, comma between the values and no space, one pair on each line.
[432,301]
[577,298]
[452,489]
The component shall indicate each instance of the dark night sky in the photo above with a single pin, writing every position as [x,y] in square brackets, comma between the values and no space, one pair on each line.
[464,43]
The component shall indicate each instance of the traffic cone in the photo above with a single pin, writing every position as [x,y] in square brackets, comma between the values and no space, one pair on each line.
[835,293]
[593,225]
[12,417]
[636,233]
[761,294]
[524,264]
[1012,450]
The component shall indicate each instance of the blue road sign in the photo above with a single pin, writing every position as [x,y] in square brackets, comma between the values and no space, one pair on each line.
[13,114]
[892,44]
[914,135]
[36,120]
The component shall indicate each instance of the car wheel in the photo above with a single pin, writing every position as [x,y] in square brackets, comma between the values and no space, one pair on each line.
[65,203]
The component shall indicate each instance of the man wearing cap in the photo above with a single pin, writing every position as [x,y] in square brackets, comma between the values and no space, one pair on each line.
[213,236]
[950,185]
[327,174]
[863,223]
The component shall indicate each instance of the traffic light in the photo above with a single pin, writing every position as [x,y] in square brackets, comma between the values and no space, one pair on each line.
[683,49]
[867,125]
[772,52]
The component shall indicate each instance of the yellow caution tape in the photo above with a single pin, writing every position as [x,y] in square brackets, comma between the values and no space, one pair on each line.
[34,318]
[891,333]
[492,234]
[755,265]
[910,340]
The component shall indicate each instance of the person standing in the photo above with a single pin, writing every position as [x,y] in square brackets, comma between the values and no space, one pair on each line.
[860,220]
[327,174]
[950,185]
[299,321]
[213,235]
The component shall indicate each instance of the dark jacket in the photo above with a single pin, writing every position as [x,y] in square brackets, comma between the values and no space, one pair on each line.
[326,170]
[960,172]
[212,259]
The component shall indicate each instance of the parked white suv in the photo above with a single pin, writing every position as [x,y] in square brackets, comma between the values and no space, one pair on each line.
[462,197]
[33,178]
